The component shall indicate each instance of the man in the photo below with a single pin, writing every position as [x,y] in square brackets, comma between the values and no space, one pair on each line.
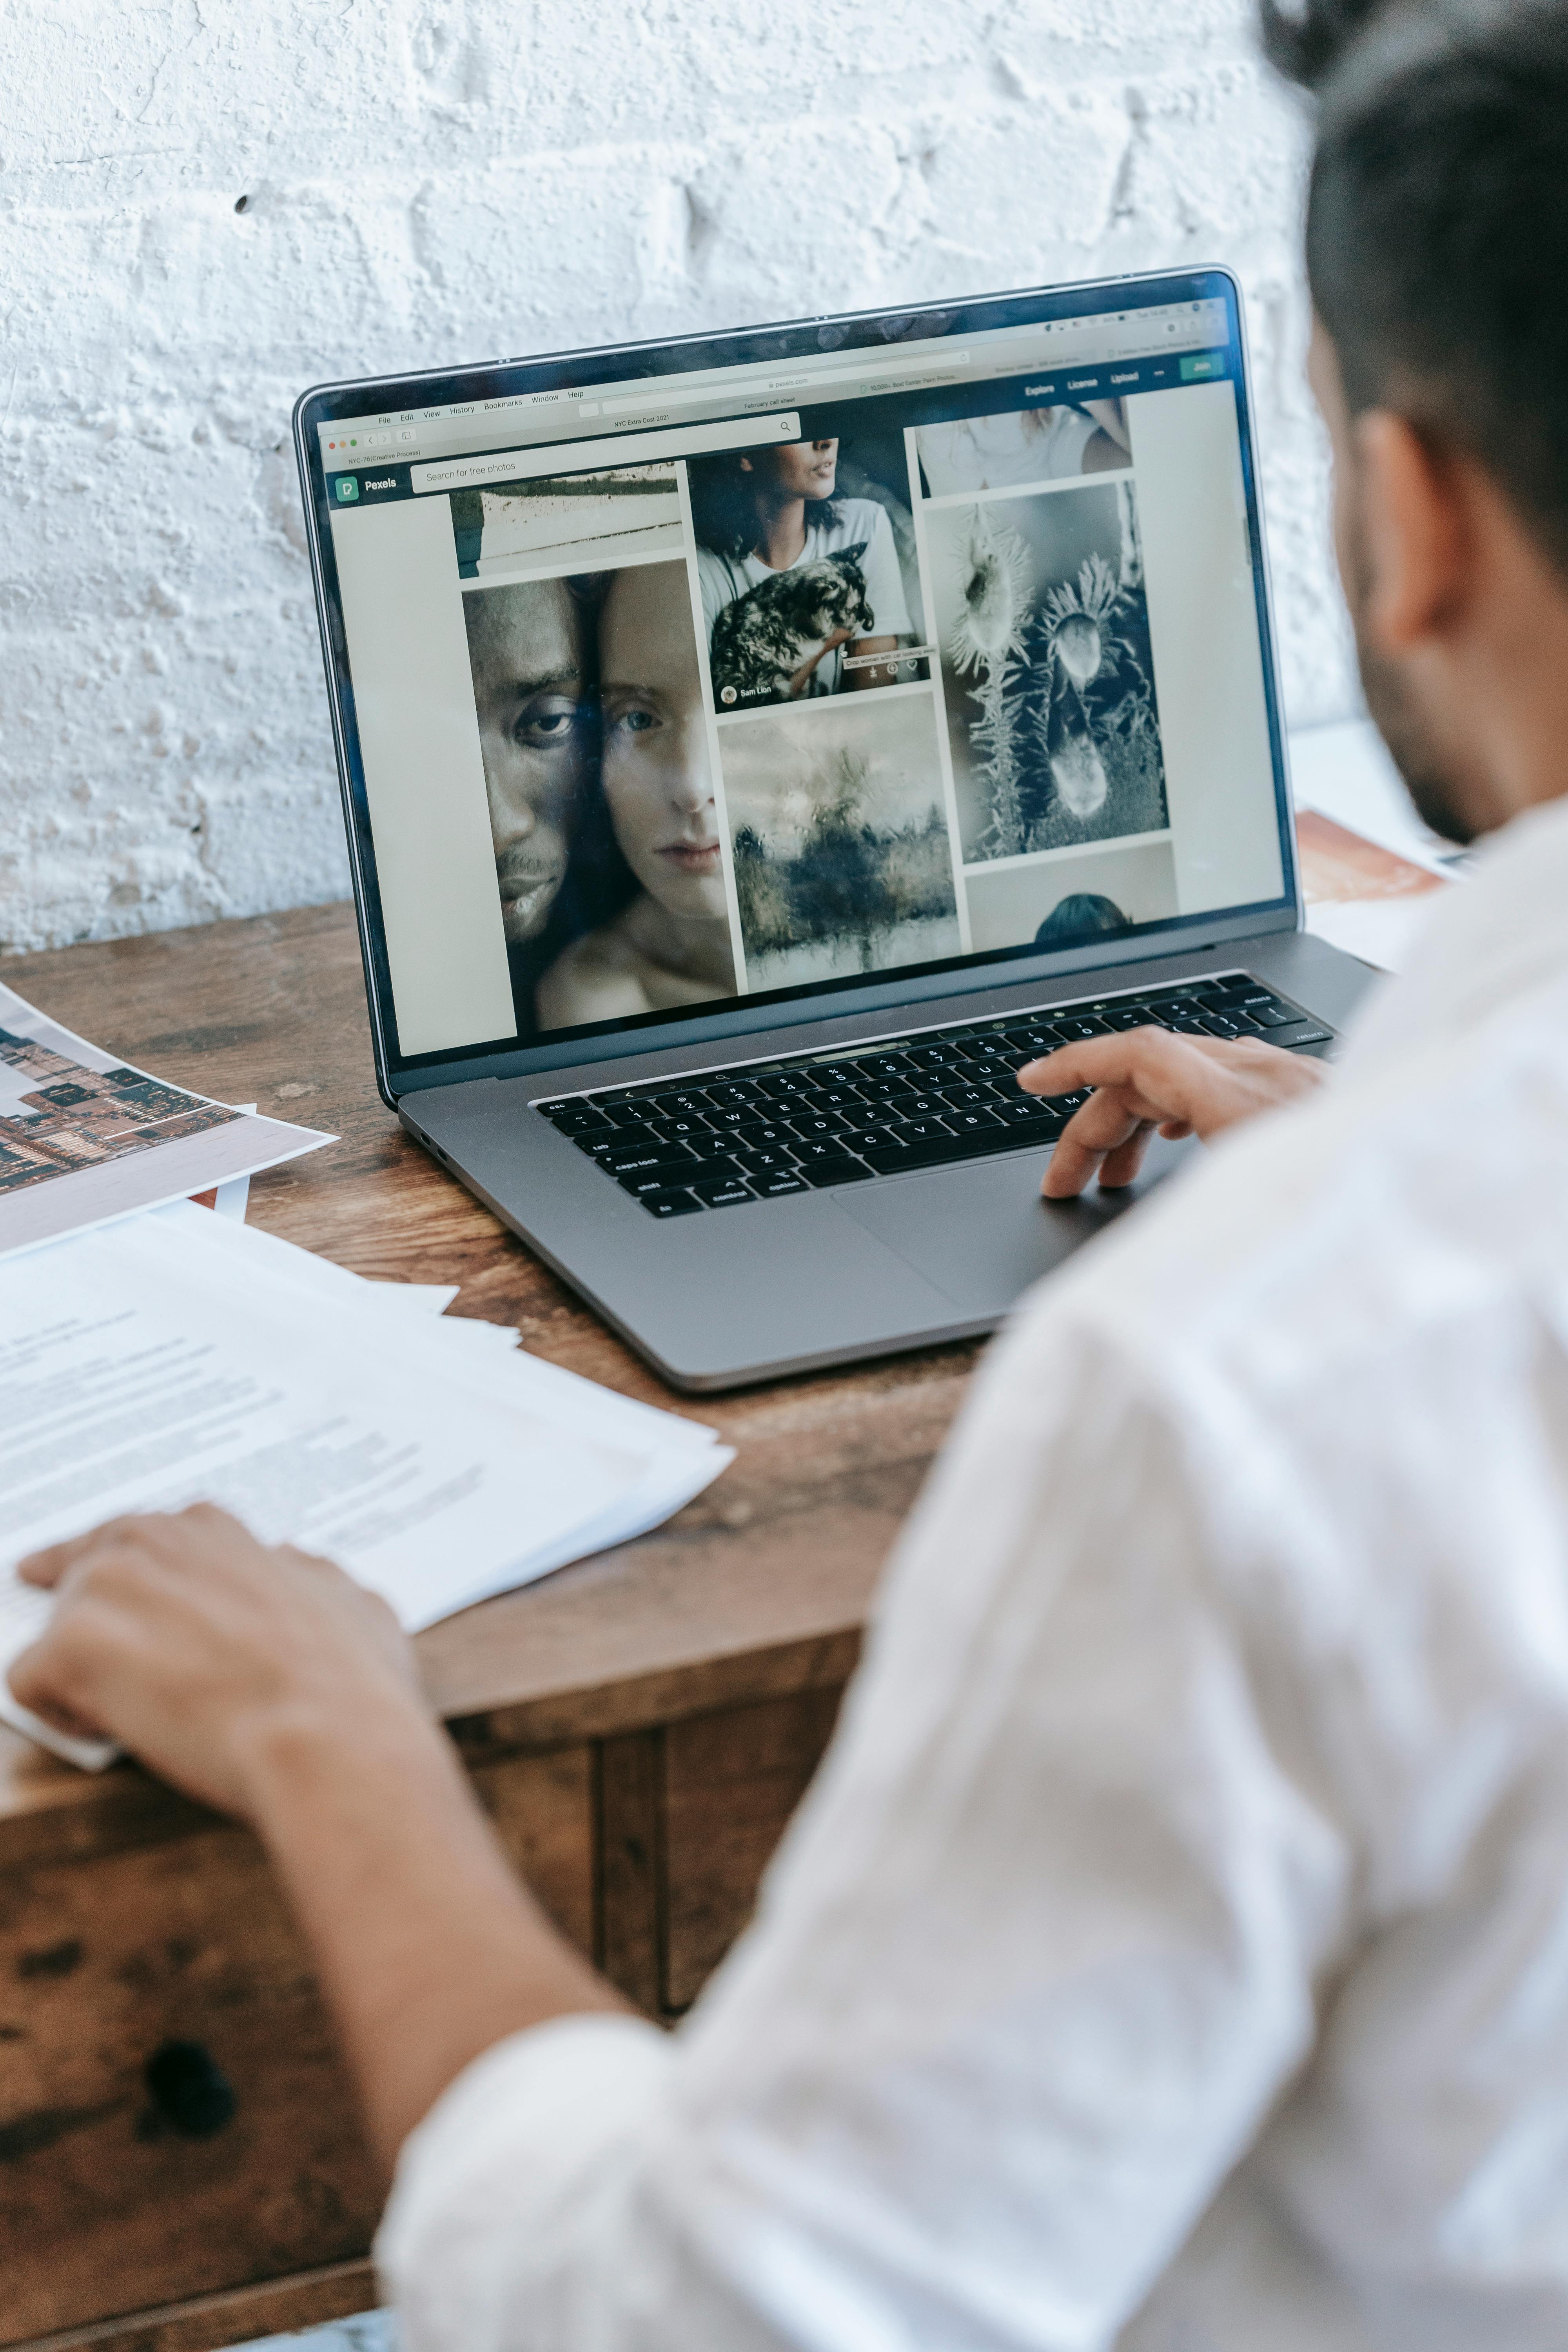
[528,654]
[1174,1950]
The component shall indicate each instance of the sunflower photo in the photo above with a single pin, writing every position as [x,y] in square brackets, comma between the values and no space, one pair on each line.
[1047,671]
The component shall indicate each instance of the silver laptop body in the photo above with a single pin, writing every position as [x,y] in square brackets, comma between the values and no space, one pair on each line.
[753,747]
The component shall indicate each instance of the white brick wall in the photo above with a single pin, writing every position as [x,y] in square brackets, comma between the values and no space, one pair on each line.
[437,180]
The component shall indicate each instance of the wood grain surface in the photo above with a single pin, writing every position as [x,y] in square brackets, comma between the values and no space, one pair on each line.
[756,1592]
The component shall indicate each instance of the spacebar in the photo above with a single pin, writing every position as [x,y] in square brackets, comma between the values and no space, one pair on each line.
[889,1162]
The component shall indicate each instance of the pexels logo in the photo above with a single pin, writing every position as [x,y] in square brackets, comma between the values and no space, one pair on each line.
[390,484]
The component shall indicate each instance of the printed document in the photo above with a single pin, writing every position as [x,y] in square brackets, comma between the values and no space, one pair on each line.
[181,1358]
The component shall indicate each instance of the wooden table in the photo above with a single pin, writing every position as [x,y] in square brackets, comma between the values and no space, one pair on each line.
[640,1727]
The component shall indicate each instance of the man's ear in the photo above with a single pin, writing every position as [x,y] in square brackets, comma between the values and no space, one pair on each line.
[1411,532]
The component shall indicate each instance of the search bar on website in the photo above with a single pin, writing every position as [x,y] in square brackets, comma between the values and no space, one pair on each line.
[588,456]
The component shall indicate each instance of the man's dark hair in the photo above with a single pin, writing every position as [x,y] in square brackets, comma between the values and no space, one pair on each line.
[1437,223]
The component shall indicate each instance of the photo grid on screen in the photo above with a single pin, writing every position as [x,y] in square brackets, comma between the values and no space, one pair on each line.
[784,713]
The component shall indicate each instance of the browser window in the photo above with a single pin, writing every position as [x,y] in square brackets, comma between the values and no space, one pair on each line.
[770,678]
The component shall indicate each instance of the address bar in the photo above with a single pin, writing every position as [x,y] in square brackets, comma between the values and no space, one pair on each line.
[819,376]
[586,457]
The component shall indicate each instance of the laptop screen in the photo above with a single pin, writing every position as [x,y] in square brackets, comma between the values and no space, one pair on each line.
[770,668]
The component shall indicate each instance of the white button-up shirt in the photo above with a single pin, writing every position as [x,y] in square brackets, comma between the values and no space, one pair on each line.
[1172,1951]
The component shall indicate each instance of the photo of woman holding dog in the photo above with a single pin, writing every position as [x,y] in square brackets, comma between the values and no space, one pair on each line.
[799,583]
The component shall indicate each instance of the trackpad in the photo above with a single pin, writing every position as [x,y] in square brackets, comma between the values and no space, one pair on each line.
[981,1234]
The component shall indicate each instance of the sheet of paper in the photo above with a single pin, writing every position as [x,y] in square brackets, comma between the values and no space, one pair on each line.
[1361,895]
[1345,771]
[176,1359]
[85,1138]
[233,1199]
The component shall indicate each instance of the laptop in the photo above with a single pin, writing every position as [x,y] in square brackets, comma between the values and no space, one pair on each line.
[754,746]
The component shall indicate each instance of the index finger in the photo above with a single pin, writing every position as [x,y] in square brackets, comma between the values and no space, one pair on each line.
[45,1568]
[1128,1058]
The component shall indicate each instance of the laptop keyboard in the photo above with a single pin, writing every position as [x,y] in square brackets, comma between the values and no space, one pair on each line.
[765,1129]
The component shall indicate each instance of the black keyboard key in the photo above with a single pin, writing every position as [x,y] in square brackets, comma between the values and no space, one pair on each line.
[722,1191]
[1131,1016]
[737,1094]
[712,1170]
[946,1152]
[838,1096]
[916,1131]
[972,1122]
[773,1187]
[1216,1024]
[1030,1112]
[875,1065]
[670,1205]
[788,1086]
[764,1163]
[660,1176]
[757,1135]
[1270,1015]
[626,1115]
[813,1129]
[874,1119]
[810,1149]
[625,1155]
[679,1129]
[831,1170]
[932,1058]
[965,1097]
[1187,1024]
[1028,1045]
[575,1119]
[689,1105]
[1079,1025]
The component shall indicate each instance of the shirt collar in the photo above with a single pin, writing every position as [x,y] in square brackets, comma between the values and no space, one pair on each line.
[1499,937]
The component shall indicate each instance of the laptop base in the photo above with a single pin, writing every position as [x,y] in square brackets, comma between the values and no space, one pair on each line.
[777,1286]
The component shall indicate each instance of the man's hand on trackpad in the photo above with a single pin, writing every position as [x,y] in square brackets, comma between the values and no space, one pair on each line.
[1146,1080]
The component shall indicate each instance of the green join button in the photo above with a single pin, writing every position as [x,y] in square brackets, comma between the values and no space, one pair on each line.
[1199,365]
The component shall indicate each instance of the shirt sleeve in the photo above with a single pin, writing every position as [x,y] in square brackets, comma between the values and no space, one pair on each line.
[1034,1961]
[884,582]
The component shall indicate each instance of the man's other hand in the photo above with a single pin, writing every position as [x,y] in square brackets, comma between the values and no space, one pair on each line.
[194,1645]
[1149,1079]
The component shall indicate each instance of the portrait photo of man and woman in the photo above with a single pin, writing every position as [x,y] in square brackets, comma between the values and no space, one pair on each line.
[589,698]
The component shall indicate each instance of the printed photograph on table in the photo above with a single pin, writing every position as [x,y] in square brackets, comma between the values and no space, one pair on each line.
[1022,447]
[810,580]
[841,861]
[85,1138]
[592,734]
[566,523]
[1057,902]
[1043,629]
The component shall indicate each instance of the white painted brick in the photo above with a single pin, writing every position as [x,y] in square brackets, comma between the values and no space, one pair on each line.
[435,180]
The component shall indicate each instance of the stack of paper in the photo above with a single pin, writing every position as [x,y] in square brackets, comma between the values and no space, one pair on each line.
[179,1355]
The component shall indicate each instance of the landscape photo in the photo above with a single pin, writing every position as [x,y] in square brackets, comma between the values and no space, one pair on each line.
[841,854]
[1047,669]
[567,522]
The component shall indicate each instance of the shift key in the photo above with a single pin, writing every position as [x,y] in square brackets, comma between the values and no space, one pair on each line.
[664,1174]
